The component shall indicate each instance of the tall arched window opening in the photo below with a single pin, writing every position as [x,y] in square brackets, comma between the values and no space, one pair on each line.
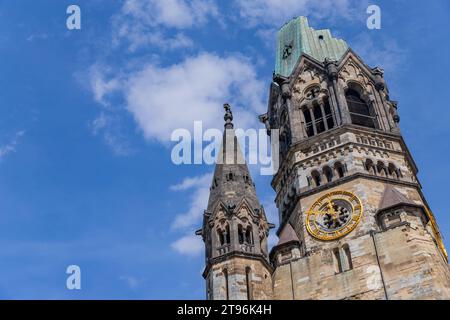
[340,170]
[318,118]
[328,173]
[361,113]
[316,178]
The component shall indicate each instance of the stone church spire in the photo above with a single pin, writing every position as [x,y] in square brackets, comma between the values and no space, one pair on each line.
[232,182]
[235,228]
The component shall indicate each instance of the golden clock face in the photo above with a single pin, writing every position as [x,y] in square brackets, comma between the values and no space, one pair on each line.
[334,215]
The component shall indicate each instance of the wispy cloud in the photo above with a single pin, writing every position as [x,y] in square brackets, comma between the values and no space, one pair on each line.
[131,281]
[37,36]
[192,182]
[108,126]
[102,83]
[190,245]
[199,188]
[142,23]
[11,145]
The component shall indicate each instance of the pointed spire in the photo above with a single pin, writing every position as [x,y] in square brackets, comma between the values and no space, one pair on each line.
[288,238]
[392,197]
[232,181]
[288,235]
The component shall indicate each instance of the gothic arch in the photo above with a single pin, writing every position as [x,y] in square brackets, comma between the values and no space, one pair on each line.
[360,107]
[394,172]
[370,166]
[316,178]
[328,174]
[339,169]
[381,169]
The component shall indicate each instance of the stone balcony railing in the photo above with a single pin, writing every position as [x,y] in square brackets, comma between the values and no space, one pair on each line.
[223,249]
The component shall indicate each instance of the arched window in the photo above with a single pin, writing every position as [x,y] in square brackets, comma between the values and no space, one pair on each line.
[361,113]
[339,169]
[249,235]
[241,235]
[319,118]
[316,178]
[370,166]
[393,171]
[328,173]
[224,236]
[342,258]
[328,115]
[309,122]
[381,169]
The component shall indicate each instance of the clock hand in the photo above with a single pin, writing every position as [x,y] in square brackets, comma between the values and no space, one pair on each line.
[331,208]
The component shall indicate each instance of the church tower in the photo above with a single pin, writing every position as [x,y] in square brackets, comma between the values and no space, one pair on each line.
[235,229]
[354,223]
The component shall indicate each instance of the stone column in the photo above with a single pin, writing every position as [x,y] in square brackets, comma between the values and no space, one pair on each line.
[234,237]
[303,132]
[324,116]
[341,103]
[313,119]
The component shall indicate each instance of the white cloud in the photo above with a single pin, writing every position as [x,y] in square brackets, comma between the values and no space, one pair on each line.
[37,36]
[275,12]
[100,86]
[108,123]
[146,22]
[108,126]
[190,245]
[132,282]
[198,201]
[193,182]
[170,13]
[163,99]
[10,147]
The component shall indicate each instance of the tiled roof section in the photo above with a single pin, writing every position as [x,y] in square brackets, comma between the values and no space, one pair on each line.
[393,197]
[287,235]
[297,37]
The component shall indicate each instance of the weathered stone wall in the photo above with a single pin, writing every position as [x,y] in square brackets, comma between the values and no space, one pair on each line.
[260,280]
[405,257]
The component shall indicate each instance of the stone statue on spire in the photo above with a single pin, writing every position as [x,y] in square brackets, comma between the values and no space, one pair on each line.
[228,116]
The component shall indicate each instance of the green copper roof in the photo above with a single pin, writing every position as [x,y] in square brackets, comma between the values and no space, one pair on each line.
[297,37]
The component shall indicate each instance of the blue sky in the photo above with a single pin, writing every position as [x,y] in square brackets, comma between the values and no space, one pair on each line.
[86,116]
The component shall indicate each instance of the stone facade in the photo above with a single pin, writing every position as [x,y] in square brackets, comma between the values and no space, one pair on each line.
[339,134]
